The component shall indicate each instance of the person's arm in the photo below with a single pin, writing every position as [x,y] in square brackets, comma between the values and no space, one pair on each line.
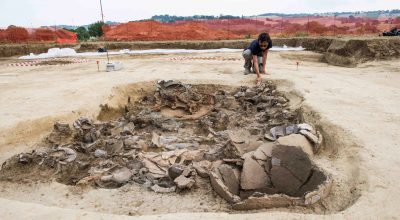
[255,63]
[264,61]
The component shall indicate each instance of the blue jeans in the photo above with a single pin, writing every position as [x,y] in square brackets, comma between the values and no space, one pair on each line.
[248,60]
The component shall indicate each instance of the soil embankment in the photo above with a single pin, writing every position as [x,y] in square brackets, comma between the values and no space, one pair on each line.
[9,50]
[348,52]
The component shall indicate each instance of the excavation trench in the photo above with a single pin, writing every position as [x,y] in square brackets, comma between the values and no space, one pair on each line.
[248,148]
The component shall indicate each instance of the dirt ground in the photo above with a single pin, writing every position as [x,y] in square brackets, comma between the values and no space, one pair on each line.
[357,110]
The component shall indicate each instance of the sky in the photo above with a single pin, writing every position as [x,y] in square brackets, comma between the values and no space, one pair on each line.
[35,13]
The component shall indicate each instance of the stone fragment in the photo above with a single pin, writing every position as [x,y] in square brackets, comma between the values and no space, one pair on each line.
[284,180]
[249,93]
[62,127]
[253,145]
[163,164]
[267,201]
[165,140]
[158,189]
[244,194]
[275,162]
[175,146]
[83,123]
[155,140]
[234,149]
[91,135]
[142,144]
[222,190]
[187,172]
[24,158]
[230,177]
[114,146]
[69,155]
[86,131]
[100,153]
[277,131]
[316,139]
[321,192]
[253,175]
[131,142]
[175,170]
[305,126]
[291,129]
[183,182]
[259,155]
[116,177]
[128,128]
[216,164]
[317,178]
[155,171]
[246,155]
[202,168]
[297,140]
[281,100]
[121,175]
[239,94]
[269,137]
[294,159]
[233,160]
[266,148]
[268,166]
[240,136]
[192,155]
[170,125]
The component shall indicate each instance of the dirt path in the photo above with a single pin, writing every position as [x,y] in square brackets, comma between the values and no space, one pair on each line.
[360,104]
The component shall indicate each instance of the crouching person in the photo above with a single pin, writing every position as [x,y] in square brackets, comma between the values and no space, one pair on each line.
[255,55]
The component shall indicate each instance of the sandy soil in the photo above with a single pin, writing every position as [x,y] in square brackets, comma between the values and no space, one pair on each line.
[356,108]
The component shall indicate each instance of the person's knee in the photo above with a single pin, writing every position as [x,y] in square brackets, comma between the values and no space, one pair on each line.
[247,54]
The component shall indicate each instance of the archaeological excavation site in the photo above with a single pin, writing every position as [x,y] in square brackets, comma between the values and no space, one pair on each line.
[210,110]
[184,134]
[234,148]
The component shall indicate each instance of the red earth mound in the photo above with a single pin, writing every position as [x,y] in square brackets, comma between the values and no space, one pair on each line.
[153,30]
[22,35]
[248,28]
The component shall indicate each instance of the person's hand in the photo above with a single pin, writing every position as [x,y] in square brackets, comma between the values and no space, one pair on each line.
[263,71]
[259,79]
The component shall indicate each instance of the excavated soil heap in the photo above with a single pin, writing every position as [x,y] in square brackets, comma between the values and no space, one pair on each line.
[152,30]
[247,141]
[22,35]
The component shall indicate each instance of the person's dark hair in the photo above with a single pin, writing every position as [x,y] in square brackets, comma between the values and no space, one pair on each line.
[264,37]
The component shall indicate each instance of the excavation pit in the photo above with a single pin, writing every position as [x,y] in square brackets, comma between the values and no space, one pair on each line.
[247,144]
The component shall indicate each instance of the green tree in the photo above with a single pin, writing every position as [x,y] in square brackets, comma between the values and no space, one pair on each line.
[95,29]
[82,33]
